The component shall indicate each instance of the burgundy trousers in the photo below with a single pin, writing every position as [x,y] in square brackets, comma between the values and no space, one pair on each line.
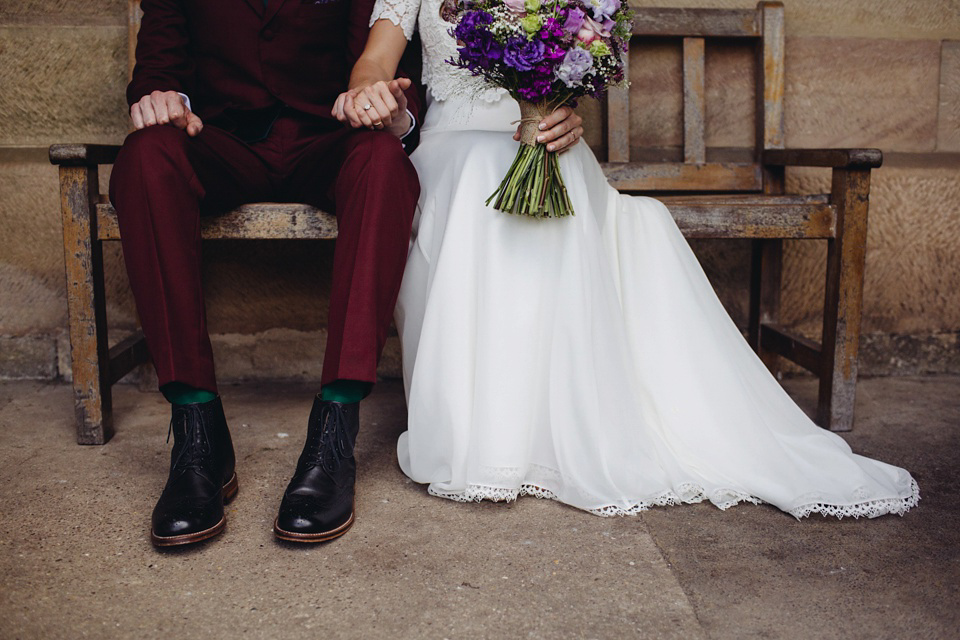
[164,180]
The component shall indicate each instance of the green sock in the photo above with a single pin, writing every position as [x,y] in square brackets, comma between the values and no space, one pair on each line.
[180,393]
[346,391]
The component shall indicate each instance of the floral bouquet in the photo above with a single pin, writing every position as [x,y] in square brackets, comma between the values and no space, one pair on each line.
[546,54]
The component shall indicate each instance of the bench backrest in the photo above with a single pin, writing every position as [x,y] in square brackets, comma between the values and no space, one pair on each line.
[762,27]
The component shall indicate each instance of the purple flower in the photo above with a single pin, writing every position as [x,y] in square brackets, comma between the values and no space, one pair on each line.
[604,9]
[536,89]
[575,65]
[554,52]
[574,20]
[551,29]
[478,47]
[522,54]
[471,22]
[481,50]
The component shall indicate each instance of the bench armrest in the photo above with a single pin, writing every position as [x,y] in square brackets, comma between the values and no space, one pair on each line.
[836,158]
[79,155]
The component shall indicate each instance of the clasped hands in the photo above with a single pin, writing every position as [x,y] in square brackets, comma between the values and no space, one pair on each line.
[382,105]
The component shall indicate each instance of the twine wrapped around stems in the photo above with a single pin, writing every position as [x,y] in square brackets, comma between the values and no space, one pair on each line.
[531,113]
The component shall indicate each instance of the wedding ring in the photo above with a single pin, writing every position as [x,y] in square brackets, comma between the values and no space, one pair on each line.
[378,124]
[367,107]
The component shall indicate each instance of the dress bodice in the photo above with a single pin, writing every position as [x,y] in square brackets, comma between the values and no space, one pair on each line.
[442,79]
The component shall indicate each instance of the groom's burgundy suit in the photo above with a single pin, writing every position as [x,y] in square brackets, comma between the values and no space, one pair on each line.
[263,79]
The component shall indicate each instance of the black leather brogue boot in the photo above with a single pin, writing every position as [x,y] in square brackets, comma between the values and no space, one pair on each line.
[202,477]
[318,503]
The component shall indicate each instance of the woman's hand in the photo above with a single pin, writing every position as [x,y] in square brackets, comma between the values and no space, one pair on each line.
[381,105]
[560,130]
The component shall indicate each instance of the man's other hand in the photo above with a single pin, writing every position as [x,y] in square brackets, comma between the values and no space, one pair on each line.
[165,107]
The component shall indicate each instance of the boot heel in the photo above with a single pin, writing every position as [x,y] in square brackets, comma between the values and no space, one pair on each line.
[230,489]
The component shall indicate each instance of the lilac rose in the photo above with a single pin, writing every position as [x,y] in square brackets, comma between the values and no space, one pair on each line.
[603,9]
[574,66]
[574,20]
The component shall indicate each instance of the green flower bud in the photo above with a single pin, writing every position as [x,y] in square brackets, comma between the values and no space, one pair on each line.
[531,24]
[598,49]
[532,6]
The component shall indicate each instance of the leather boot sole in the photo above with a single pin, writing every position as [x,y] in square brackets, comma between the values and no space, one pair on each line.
[229,493]
[323,536]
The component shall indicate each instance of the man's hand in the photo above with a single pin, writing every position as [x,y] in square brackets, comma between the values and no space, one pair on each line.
[165,107]
[560,130]
[382,105]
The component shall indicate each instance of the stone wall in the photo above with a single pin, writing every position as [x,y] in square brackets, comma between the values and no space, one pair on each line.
[877,73]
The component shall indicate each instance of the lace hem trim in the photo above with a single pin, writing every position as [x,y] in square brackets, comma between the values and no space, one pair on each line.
[691,494]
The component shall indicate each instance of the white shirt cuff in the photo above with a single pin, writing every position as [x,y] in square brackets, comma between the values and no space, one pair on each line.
[186,100]
[413,124]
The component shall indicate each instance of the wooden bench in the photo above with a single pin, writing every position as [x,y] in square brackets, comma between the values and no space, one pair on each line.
[726,200]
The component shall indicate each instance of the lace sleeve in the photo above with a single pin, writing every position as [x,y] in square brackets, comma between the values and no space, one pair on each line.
[402,13]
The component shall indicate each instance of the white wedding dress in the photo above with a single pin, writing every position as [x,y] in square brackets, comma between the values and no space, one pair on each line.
[584,359]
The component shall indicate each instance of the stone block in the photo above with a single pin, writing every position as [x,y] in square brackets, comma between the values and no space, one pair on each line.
[62,85]
[31,250]
[284,354]
[948,125]
[254,286]
[28,357]
[845,92]
[63,11]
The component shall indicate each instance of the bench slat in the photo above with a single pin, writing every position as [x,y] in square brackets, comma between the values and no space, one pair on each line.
[715,218]
[694,101]
[745,198]
[738,220]
[791,345]
[722,23]
[260,221]
[666,176]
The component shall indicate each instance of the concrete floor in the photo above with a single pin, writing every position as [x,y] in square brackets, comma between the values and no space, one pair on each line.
[75,559]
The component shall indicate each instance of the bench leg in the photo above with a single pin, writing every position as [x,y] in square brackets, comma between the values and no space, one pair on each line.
[86,307]
[846,257]
[765,276]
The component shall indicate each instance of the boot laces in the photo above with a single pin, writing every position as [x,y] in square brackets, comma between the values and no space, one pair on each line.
[333,443]
[196,444]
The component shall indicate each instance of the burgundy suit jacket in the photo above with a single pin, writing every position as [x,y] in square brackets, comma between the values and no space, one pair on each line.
[236,56]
